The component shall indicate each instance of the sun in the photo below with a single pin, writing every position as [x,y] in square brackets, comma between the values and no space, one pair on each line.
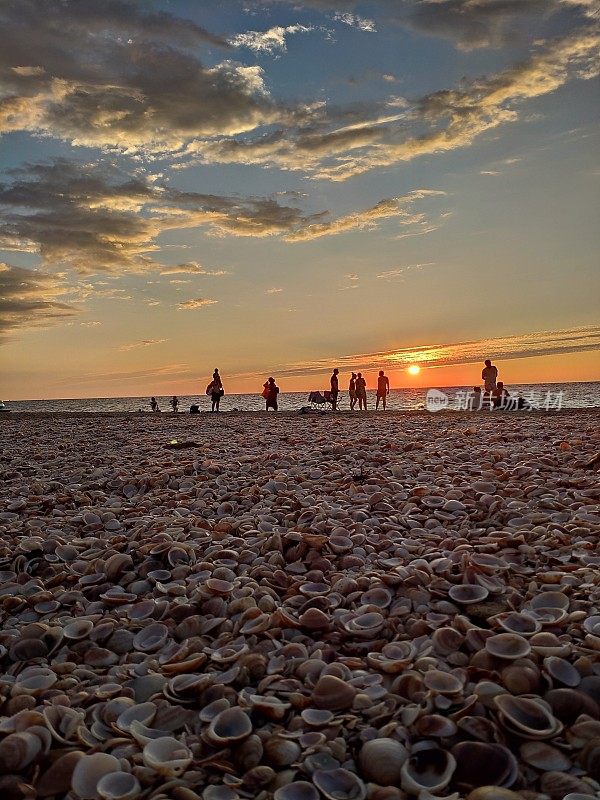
[414,369]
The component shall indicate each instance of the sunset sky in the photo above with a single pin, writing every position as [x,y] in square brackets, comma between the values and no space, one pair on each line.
[283,186]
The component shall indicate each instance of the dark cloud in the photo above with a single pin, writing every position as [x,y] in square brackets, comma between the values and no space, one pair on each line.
[28,298]
[94,217]
[114,74]
[337,146]
[468,23]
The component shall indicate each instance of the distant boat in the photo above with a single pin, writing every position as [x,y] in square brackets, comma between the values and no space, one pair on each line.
[3,408]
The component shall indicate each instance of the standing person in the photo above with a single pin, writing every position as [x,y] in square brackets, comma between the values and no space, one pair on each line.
[489,375]
[270,392]
[175,404]
[361,392]
[154,404]
[383,389]
[216,391]
[352,391]
[335,389]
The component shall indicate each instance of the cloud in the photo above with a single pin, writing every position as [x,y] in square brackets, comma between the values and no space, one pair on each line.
[355,21]
[116,74]
[400,272]
[270,41]
[94,217]
[192,268]
[527,345]
[341,143]
[29,299]
[274,290]
[143,343]
[197,302]
[399,208]
[468,24]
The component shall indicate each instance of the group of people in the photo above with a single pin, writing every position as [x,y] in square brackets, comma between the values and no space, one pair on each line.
[493,395]
[357,390]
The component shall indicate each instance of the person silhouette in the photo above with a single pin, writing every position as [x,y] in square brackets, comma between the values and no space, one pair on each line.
[270,392]
[216,390]
[489,375]
[361,392]
[352,391]
[335,389]
[383,389]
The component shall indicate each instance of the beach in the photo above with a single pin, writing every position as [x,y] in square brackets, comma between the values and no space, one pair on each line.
[343,606]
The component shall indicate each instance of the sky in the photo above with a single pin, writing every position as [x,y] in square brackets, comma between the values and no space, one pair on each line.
[284,186]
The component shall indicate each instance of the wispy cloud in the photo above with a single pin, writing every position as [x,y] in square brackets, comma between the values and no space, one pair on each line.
[402,209]
[141,344]
[355,21]
[377,137]
[193,268]
[91,217]
[501,348]
[400,272]
[270,41]
[195,303]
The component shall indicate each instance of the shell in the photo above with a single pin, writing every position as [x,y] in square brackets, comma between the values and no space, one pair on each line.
[466,594]
[333,694]
[429,769]
[18,750]
[509,646]
[339,784]
[89,770]
[297,790]
[530,718]
[167,756]
[118,786]
[482,764]
[381,760]
[231,725]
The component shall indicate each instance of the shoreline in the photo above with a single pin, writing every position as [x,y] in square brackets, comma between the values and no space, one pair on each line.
[284,413]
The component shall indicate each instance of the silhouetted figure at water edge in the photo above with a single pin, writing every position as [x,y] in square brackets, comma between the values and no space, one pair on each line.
[216,391]
[335,389]
[489,375]
[383,389]
[270,392]
[361,392]
[352,391]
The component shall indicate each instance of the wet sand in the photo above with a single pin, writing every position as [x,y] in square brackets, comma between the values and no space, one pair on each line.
[341,606]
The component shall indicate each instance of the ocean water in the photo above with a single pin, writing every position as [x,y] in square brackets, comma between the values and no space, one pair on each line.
[567,395]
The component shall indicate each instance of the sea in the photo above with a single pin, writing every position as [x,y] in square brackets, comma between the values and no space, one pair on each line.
[546,396]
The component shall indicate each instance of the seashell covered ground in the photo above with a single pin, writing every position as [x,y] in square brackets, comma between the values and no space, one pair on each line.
[300,608]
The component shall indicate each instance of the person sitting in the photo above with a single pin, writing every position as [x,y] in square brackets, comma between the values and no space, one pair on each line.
[154,404]
[270,392]
[476,401]
[500,397]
